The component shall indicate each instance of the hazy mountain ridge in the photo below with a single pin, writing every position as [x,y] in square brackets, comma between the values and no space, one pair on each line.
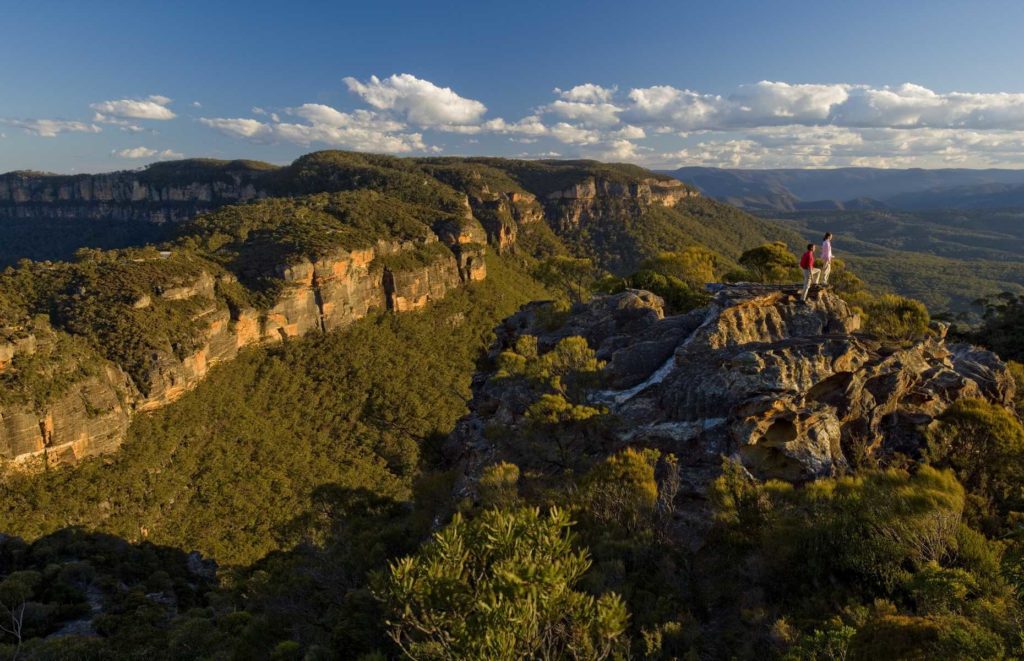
[788,190]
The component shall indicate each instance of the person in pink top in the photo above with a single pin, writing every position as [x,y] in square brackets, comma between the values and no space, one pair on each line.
[826,259]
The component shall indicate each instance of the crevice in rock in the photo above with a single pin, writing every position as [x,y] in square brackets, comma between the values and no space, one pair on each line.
[318,299]
[388,282]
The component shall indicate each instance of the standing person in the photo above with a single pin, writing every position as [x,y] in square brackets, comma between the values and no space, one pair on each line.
[810,273]
[826,258]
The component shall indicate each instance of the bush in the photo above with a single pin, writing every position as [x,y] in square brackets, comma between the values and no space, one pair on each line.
[500,587]
[771,263]
[984,444]
[499,485]
[621,490]
[1002,328]
[897,318]
[695,265]
[931,637]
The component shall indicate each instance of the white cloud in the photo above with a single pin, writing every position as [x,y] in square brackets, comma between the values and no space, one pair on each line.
[587,93]
[420,102]
[196,104]
[629,132]
[360,130]
[135,152]
[594,114]
[152,107]
[531,125]
[777,104]
[146,152]
[49,128]
[238,127]
[574,135]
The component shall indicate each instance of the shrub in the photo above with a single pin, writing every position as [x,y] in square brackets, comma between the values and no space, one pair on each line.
[771,263]
[622,490]
[984,444]
[695,265]
[930,637]
[500,586]
[499,485]
[896,317]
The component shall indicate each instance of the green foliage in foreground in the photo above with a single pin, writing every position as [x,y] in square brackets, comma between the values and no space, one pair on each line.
[501,586]
[227,467]
[899,564]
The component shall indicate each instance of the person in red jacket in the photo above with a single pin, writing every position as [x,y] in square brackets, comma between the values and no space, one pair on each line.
[810,273]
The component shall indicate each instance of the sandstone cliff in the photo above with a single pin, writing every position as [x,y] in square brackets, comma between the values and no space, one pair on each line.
[589,200]
[90,414]
[792,391]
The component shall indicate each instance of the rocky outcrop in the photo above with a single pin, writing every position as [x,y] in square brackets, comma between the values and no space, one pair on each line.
[92,414]
[793,391]
[503,213]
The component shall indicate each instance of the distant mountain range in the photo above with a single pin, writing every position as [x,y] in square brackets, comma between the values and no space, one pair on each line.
[788,190]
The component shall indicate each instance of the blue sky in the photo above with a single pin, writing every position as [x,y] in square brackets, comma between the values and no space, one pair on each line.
[109,85]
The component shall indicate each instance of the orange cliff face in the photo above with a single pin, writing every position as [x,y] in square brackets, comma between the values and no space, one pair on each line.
[329,293]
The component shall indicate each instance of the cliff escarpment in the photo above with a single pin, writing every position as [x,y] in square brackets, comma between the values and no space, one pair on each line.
[163,192]
[87,345]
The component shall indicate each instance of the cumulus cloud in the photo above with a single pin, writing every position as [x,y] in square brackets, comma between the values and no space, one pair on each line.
[238,127]
[151,107]
[770,103]
[49,128]
[587,93]
[146,152]
[360,130]
[135,152]
[593,114]
[764,124]
[419,101]
[574,135]
[531,125]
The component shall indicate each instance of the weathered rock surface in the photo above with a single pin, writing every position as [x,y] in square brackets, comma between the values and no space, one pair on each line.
[793,391]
